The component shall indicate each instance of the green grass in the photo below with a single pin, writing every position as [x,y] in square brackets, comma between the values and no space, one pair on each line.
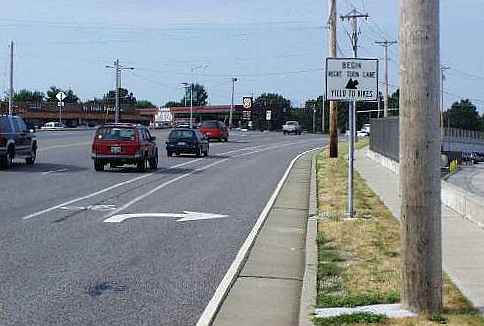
[359,260]
[359,318]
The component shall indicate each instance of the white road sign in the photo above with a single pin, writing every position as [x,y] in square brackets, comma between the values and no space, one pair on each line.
[268,115]
[61,96]
[247,102]
[352,79]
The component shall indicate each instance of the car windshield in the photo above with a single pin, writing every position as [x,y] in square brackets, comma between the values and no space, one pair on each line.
[291,123]
[209,124]
[181,134]
[116,134]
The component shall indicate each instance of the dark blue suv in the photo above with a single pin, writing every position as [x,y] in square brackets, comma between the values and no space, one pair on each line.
[16,141]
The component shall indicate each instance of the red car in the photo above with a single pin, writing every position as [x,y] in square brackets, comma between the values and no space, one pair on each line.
[119,144]
[215,130]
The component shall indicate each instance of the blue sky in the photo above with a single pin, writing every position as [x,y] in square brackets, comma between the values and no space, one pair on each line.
[271,46]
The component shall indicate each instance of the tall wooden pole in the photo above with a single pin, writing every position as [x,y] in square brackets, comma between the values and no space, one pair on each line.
[421,247]
[333,109]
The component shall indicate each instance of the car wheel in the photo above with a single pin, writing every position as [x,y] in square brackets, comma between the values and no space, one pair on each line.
[31,160]
[98,165]
[141,165]
[226,139]
[169,154]
[206,152]
[154,162]
[199,152]
[6,162]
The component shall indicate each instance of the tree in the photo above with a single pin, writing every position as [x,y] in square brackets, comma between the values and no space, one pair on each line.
[280,109]
[172,104]
[463,115]
[25,95]
[394,103]
[125,97]
[143,104]
[200,96]
[71,97]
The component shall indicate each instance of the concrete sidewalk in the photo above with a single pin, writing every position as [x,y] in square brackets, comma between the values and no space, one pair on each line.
[463,241]
[268,290]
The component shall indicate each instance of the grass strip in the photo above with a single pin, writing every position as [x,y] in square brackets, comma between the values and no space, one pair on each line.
[359,260]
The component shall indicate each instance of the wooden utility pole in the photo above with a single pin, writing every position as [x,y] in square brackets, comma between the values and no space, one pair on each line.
[421,228]
[333,109]
[386,44]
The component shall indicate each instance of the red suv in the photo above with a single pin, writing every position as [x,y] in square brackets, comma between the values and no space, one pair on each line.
[215,129]
[120,143]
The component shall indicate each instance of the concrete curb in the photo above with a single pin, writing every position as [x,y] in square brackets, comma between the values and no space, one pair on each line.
[309,293]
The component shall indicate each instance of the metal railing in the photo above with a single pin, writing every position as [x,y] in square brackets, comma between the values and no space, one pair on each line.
[385,134]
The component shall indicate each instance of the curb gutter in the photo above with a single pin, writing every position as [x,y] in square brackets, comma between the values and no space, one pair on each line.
[308,294]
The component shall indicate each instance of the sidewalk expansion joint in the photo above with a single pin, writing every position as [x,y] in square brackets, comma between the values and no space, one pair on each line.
[272,278]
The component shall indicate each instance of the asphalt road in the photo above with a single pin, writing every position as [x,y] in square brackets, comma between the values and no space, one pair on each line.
[61,264]
[470,178]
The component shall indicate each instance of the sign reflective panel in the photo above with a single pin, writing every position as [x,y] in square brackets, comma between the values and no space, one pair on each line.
[352,79]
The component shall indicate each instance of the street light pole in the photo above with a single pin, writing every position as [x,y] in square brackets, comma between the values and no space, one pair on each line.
[232,103]
[191,105]
[314,118]
[11,91]
[442,79]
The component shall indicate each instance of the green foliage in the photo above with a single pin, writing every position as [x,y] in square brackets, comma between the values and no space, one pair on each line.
[173,104]
[366,299]
[25,95]
[125,97]
[200,96]
[278,105]
[357,318]
[463,115]
[143,104]
[71,98]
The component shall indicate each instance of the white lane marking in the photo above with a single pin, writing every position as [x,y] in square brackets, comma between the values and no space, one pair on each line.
[230,277]
[161,186]
[169,182]
[54,171]
[100,208]
[47,210]
[185,217]
[102,191]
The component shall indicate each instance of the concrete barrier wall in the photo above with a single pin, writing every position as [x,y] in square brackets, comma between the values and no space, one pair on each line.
[463,202]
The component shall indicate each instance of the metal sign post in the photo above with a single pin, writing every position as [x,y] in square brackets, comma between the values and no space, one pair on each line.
[351,80]
[60,96]
[268,118]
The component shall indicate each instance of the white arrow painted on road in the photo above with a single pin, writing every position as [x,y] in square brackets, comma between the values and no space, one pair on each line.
[185,217]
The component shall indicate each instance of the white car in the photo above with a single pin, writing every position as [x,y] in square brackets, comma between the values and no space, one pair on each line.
[291,127]
[53,126]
